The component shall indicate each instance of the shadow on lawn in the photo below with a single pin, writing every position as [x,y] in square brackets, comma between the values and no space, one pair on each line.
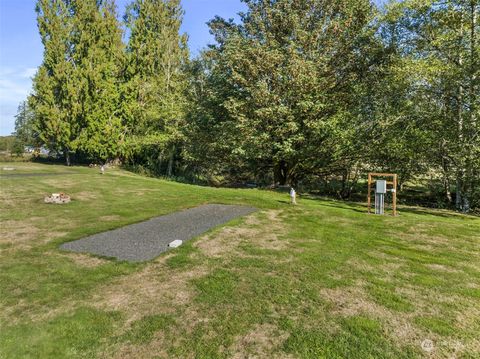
[328,202]
[362,208]
[438,213]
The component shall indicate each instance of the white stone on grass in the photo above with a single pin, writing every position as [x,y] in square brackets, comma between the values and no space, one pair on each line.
[176,243]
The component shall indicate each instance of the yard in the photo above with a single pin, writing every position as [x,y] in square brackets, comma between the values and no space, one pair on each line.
[318,280]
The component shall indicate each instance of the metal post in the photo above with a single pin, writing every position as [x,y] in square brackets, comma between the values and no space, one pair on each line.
[379,203]
[368,192]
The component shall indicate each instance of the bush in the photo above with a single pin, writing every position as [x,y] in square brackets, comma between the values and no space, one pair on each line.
[17,148]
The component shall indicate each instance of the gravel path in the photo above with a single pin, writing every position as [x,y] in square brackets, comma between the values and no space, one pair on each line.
[146,240]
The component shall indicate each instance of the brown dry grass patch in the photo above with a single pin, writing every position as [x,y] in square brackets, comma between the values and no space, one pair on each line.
[84,196]
[400,326]
[441,268]
[354,301]
[60,183]
[17,232]
[156,289]
[110,218]
[25,234]
[260,342]
[154,349]
[82,260]
[254,230]
[428,240]
[223,241]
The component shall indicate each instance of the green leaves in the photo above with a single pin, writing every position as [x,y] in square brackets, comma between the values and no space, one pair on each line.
[156,54]
[285,73]
[302,90]
[76,90]
[440,50]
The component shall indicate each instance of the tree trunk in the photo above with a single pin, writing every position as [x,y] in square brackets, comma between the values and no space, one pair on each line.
[67,157]
[281,173]
[170,163]
[446,181]
[446,188]
[473,60]
[468,122]
[345,191]
[458,193]
[460,166]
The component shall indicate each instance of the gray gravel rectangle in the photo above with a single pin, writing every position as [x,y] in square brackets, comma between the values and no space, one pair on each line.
[146,240]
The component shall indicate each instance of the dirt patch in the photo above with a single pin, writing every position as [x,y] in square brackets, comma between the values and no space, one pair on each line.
[390,264]
[260,342]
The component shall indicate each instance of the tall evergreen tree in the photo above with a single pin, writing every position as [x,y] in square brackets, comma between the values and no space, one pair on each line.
[53,100]
[25,131]
[156,53]
[76,90]
[98,57]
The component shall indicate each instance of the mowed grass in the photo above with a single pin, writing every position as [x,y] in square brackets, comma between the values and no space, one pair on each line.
[318,280]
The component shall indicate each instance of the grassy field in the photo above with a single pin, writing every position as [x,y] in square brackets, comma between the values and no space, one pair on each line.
[318,280]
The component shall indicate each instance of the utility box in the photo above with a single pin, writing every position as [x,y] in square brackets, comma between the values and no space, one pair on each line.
[380,189]
[381,186]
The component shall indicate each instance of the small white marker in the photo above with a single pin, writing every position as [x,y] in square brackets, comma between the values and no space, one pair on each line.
[176,243]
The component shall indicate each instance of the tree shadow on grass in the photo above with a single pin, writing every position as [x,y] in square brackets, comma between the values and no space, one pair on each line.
[362,208]
[439,213]
[348,205]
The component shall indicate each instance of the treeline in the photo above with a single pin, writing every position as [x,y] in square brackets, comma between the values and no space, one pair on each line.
[304,92]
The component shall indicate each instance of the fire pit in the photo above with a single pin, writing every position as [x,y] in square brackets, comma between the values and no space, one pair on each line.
[59,198]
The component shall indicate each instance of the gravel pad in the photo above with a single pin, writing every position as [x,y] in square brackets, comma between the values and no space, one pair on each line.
[146,240]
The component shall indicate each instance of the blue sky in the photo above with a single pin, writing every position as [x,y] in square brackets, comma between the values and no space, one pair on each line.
[21,48]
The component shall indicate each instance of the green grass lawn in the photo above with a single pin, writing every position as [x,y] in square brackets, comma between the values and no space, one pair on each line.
[318,280]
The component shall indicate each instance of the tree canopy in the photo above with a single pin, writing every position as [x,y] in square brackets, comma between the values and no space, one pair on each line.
[311,93]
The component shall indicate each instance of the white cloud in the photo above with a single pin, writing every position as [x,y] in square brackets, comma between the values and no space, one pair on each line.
[13,91]
[29,72]
[15,86]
